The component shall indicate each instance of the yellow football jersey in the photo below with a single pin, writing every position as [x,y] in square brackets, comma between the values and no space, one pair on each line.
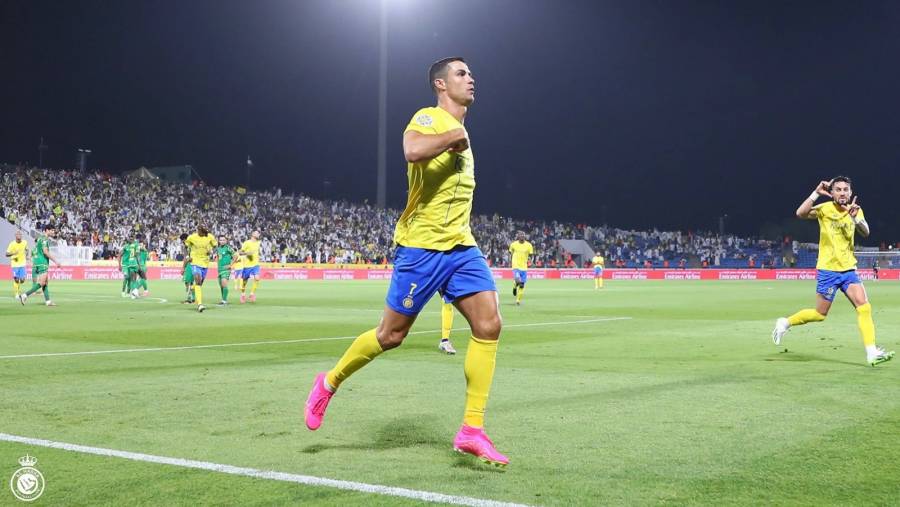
[520,253]
[836,233]
[251,253]
[18,250]
[200,248]
[238,262]
[597,261]
[439,201]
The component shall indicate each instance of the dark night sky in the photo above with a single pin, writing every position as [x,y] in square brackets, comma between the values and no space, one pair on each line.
[636,113]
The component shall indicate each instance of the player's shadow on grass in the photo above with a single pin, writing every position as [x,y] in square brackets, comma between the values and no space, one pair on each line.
[802,358]
[403,432]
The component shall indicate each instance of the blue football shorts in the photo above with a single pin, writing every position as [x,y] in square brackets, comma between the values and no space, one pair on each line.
[828,281]
[419,273]
[248,272]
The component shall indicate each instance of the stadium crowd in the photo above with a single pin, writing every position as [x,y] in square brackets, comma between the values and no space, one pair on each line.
[100,211]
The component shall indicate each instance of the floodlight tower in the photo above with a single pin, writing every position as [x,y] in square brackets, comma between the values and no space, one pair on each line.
[41,149]
[381,200]
[82,158]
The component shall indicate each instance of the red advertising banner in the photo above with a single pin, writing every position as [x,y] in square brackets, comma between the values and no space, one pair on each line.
[165,273]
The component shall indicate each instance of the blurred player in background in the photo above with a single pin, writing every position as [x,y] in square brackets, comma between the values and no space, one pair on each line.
[225,256]
[142,256]
[446,325]
[839,221]
[520,250]
[128,264]
[17,251]
[201,245]
[597,261]
[40,266]
[250,251]
[187,277]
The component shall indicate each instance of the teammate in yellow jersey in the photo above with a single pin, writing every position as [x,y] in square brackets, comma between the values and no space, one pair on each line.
[839,220]
[17,251]
[250,251]
[237,271]
[446,325]
[201,245]
[436,252]
[597,261]
[520,249]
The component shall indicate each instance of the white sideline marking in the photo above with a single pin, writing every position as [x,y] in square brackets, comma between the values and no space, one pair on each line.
[425,496]
[278,342]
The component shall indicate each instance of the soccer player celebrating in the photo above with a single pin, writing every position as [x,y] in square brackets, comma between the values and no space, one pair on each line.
[40,266]
[201,245]
[128,265]
[597,261]
[520,250]
[839,220]
[225,258]
[435,252]
[17,251]
[446,324]
[250,251]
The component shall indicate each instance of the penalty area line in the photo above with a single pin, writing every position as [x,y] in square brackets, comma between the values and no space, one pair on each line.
[308,480]
[282,342]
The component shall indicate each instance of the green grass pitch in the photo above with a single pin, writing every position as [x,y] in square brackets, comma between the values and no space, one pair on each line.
[685,402]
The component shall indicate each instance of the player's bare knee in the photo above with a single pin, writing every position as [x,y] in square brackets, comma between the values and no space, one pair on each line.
[389,339]
[488,329]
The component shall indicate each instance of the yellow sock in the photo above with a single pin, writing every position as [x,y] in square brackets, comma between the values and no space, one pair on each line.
[255,285]
[596,283]
[446,320]
[15,288]
[479,368]
[804,316]
[363,349]
[600,281]
[866,325]
[198,295]
[519,293]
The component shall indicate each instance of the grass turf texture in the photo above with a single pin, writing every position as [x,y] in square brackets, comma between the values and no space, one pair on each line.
[687,403]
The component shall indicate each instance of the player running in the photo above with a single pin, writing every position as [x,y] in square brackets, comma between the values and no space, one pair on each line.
[40,266]
[839,220]
[436,252]
[17,251]
[201,245]
[520,250]
[225,255]
[250,252]
[597,261]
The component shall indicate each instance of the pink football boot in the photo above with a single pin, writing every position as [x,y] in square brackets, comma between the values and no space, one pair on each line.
[317,402]
[473,441]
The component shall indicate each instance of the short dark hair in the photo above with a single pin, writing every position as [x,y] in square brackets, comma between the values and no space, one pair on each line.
[845,179]
[184,236]
[438,69]
[49,227]
[838,179]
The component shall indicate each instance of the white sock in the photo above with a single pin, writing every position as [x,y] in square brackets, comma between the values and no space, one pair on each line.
[871,351]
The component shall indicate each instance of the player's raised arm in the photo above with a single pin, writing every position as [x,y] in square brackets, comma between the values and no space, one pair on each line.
[859,218]
[418,146]
[806,207]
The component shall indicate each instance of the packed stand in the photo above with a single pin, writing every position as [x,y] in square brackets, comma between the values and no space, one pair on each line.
[99,210]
